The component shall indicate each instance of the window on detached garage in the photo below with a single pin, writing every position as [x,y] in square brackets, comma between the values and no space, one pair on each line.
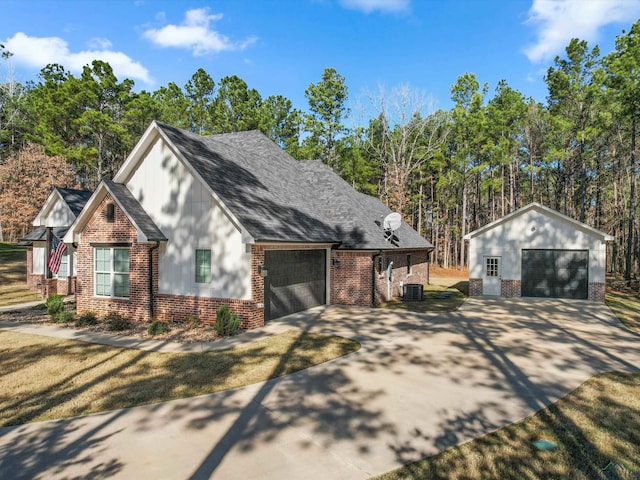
[112,268]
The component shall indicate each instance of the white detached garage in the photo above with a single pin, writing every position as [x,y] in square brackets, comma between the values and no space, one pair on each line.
[537,252]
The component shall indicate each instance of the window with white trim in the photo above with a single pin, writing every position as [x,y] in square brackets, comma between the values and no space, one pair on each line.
[203,266]
[63,271]
[111,272]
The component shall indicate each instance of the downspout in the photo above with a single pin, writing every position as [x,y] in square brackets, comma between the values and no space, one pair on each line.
[373,277]
[157,245]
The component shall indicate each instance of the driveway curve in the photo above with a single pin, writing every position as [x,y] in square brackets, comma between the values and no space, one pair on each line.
[419,384]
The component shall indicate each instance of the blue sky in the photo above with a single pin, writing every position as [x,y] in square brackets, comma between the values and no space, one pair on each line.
[281,46]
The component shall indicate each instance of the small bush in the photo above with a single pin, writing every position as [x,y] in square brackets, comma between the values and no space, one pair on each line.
[116,322]
[86,319]
[227,322]
[194,322]
[54,305]
[158,327]
[63,317]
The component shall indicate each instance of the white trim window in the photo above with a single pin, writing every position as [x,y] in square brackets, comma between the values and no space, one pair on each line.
[111,272]
[63,271]
[203,266]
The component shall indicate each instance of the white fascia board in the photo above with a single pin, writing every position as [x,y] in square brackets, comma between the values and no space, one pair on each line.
[246,236]
[46,207]
[99,193]
[546,210]
[137,154]
[97,197]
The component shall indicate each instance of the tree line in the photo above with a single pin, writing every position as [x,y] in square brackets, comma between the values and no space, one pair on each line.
[447,172]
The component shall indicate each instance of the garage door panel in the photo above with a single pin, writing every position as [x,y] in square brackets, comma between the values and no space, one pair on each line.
[296,281]
[555,273]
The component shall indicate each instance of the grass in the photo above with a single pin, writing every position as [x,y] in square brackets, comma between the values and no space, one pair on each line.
[45,378]
[13,271]
[596,428]
[431,302]
[626,306]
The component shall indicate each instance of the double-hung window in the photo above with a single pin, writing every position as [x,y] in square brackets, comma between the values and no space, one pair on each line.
[63,271]
[111,272]
[203,266]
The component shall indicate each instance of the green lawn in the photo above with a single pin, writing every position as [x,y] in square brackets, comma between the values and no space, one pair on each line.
[13,280]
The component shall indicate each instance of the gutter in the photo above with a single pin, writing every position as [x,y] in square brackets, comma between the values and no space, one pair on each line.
[157,245]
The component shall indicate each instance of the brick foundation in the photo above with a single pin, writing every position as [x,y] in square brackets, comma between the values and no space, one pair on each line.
[180,307]
[510,288]
[596,292]
[475,287]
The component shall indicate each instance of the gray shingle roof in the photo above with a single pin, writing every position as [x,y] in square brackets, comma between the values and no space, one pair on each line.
[40,235]
[75,199]
[277,198]
[134,211]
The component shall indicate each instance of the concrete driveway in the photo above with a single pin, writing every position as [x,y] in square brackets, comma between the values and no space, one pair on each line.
[419,385]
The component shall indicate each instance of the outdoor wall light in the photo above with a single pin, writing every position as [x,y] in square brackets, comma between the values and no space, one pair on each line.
[262,271]
[335,262]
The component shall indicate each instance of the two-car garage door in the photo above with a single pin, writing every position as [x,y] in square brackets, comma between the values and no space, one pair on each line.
[296,281]
[555,273]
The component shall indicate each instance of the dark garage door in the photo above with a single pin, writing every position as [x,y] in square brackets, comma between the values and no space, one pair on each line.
[555,273]
[296,281]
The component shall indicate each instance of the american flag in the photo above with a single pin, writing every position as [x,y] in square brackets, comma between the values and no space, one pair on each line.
[55,257]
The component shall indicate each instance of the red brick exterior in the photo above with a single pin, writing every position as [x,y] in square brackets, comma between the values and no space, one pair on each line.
[510,288]
[98,230]
[475,287]
[36,281]
[596,292]
[355,274]
[351,276]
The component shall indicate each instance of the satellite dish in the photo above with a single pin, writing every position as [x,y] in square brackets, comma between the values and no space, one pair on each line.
[392,221]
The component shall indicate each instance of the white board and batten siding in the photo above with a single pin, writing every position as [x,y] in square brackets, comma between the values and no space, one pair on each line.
[533,230]
[191,219]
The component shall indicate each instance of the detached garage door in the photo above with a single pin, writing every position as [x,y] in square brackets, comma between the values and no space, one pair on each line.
[296,281]
[555,273]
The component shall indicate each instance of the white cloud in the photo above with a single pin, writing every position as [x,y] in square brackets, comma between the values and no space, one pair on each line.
[195,34]
[558,21]
[37,52]
[385,6]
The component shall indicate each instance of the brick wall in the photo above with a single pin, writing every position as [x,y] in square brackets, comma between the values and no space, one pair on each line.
[98,230]
[400,275]
[475,287]
[510,288]
[351,278]
[596,292]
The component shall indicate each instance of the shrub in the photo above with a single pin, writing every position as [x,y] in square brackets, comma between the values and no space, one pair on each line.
[194,322]
[227,322]
[116,322]
[86,319]
[54,305]
[63,317]
[157,327]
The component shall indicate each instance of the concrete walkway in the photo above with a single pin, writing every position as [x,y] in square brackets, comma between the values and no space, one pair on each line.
[419,384]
